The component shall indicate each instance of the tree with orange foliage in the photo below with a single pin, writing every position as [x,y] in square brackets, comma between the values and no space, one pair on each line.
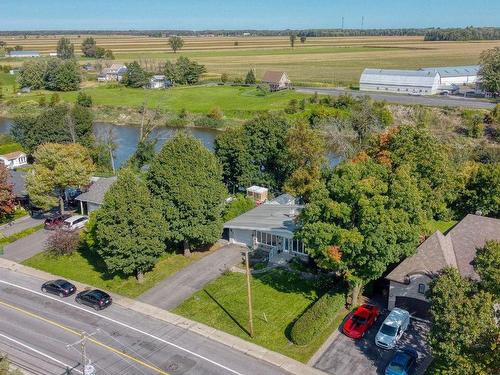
[7,205]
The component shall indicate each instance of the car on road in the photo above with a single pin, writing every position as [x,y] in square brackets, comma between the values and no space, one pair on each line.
[402,362]
[360,321]
[75,222]
[392,328]
[94,298]
[55,221]
[60,287]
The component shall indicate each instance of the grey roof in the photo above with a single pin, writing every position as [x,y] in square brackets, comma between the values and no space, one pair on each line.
[24,53]
[418,78]
[457,249]
[455,71]
[18,181]
[267,217]
[95,193]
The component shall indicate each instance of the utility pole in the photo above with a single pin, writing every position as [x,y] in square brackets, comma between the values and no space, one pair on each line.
[342,22]
[249,293]
[87,369]
[362,22]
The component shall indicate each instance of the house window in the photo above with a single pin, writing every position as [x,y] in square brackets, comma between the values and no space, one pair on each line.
[421,288]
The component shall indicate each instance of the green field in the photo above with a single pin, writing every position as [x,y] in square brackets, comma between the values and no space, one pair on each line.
[279,297]
[321,60]
[88,268]
[235,102]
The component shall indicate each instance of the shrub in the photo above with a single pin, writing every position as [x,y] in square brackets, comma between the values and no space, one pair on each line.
[292,107]
[63,242]
[224,77]
[317,318]
[216,114]
[84,100]
[207,122]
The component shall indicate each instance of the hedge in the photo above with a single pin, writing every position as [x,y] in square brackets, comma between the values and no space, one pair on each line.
[317,317]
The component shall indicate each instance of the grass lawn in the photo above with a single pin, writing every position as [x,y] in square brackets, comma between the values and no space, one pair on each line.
[279,298]
[88,268]
[233,101]
[442,225]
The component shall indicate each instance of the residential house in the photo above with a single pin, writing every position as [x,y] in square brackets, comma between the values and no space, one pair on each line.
[20,54]
[14,159]
[269,227]
[18,181]
[409,281]
[159,82]
[92,199]
[114,73]
[277,80]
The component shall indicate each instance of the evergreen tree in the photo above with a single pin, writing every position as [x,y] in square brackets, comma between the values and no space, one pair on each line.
[187,178]
[250,78]
[130,230]
[135,76]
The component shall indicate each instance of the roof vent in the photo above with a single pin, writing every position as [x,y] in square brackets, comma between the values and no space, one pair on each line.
[479,213]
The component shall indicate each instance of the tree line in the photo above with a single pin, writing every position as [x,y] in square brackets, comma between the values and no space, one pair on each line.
[468,33]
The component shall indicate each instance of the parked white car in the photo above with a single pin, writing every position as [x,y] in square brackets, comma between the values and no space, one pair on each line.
[392,328]
[75,222]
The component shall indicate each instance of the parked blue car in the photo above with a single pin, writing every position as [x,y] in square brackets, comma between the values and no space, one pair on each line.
[402,362]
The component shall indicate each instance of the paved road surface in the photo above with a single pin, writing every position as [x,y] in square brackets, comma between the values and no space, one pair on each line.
[35,330]
[436,101]
[171,292]
[26,247]
[20,224]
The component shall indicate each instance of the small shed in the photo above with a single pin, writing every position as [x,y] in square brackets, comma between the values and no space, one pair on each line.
[159,82]
[277,80]
[258,193]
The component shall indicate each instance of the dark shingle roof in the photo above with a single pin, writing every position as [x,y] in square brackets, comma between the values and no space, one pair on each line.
[18,181]
[97,190]
[457,249]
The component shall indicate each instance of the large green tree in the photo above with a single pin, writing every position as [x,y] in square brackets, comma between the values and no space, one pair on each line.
[135,76]
[130,230]
[176,43]
[187,178]
[89,47]
[58,124]
[65,49]
[464,334]
[490,70]
[7,204]
[183,71]
[32,74]
[487,266]
[57,167]
[256,153]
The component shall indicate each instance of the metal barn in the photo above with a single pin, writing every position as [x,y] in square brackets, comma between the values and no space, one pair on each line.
[416,82]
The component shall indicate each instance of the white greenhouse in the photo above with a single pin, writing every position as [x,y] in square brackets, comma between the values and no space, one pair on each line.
[456,75]
[417,82]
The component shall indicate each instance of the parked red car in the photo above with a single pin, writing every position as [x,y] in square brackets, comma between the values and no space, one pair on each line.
[55,221]
[360,321]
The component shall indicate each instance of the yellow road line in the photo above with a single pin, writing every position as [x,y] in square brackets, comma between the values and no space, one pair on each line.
[70,330]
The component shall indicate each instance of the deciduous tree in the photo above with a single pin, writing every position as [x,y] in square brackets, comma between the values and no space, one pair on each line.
[57,167]
[487,266]
[65,49]
[135,75]
[490,70]
[187,178]
[7,205]
[130,230]
[89,46]
[176,43]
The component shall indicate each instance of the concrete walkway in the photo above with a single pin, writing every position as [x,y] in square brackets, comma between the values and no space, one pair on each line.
[171,292]
[19,225]
[26,247]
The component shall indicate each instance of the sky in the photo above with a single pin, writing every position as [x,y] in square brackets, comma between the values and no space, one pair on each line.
[243,14]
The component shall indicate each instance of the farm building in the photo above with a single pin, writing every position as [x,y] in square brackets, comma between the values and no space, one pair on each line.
[269,227]
[14,159]
[277,80]
[159,82]
[456,75]
[114,73]
[18,54]
[416,82]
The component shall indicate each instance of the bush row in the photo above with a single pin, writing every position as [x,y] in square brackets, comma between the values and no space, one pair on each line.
[317,317]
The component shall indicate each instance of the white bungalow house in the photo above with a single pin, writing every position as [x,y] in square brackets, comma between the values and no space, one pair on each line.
[114,73]
[14,159]
[277,80]
[269,226]
[159,82]
[409,281]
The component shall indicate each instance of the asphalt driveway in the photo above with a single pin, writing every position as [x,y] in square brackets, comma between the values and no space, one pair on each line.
[346,356]
[26,247]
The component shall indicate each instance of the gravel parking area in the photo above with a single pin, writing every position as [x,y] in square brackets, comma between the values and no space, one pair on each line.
[346,356]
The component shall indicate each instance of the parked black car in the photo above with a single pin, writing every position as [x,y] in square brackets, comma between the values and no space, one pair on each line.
[94,298]
[62,288]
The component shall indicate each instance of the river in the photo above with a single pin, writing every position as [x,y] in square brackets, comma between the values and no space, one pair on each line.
[126,138]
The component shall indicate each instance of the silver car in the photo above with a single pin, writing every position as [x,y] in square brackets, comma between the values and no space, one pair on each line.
[392,328]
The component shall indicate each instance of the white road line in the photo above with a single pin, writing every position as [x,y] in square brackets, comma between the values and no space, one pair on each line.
[124,325]
[66,366]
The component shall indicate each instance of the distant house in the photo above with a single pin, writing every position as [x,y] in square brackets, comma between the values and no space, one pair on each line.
[277,80]
[409,281]
[159,82]
[88,67]
[417,82]
[18,54]
[92,199]
[14,71]
[53,54]
[114,73]
[14,159]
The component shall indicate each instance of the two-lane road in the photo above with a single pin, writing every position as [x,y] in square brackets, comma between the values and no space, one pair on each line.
[36,329]
[433,101]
